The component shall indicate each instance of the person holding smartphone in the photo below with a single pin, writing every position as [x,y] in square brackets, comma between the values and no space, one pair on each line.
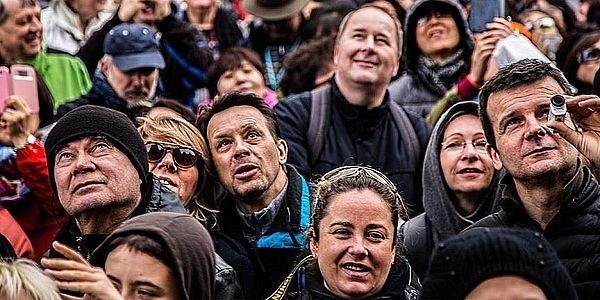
[36,209]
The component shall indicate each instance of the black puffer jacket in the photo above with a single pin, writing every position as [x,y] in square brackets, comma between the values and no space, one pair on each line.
[356,136]
[574,232]
[274,261]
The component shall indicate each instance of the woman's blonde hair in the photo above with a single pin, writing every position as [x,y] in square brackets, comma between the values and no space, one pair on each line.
[177,130]
[23,277]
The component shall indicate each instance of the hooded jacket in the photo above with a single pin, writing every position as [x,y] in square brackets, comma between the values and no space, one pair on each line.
[441,219]
[413,90]
[186,242]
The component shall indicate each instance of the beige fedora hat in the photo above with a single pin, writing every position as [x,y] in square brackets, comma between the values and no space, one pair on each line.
[274,10]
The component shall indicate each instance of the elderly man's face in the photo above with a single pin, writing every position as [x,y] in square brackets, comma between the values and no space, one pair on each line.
[133,86]
[91,173]
[21,33]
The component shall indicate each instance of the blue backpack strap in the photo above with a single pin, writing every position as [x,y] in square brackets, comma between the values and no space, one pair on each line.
[282,239]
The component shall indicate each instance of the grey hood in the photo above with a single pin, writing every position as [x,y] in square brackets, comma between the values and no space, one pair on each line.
[437,197]
[411,49]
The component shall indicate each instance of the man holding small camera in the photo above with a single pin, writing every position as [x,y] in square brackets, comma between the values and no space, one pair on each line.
[547,189]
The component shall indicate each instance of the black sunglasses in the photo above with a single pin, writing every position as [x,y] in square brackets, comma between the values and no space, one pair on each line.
[184,157]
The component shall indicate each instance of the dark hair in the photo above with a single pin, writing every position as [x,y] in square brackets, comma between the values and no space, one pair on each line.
[234,99]
[184,111]
[231,59]
[147,245]
[325,20]
[518,74]
[4,14]
[571,63]
[400,11]
[348,178]
[304,65]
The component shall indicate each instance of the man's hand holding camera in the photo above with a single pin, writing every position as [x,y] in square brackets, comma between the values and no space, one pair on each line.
[585,113]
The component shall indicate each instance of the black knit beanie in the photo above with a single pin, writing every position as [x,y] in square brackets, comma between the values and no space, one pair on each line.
[462,262]
[92,120]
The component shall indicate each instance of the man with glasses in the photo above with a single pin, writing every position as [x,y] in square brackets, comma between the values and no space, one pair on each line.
[267,206]
[548,187]
[98,168]
[127,77]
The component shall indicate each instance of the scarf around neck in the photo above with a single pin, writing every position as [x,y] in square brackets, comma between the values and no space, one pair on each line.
[439,77]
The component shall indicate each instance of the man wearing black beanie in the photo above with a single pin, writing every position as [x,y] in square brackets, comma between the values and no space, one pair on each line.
[98,168]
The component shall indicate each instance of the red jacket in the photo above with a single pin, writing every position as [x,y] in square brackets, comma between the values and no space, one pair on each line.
[41,215]
[15,235]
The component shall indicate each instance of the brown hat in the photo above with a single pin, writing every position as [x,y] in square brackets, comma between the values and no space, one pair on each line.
[274,10]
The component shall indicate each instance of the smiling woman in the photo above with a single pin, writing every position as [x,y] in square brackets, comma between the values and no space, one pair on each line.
[353,236]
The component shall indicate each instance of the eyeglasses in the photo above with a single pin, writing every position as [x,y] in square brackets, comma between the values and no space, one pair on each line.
[589,54]
[543,23]
[184,157]
[438,14]
[458,146]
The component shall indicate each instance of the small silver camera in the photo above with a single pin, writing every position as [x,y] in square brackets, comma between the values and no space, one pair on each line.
[558,108]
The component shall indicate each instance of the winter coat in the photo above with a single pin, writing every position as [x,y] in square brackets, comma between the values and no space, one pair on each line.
[574,232]
[441,220]
[274,254]
[183,48]
[62,30]
[356,135]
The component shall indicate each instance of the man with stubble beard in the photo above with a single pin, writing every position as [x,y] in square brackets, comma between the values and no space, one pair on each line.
[267,206]
[127,76]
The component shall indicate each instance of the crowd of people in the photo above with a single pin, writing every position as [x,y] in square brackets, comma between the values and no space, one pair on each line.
[299,149]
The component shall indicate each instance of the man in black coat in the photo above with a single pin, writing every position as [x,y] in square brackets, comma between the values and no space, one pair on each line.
[548,188]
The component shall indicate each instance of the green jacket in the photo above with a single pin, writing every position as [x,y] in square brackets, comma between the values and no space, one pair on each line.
[64,74]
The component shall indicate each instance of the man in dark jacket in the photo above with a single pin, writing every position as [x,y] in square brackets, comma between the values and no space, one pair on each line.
[267,206]
[364,125]
[98,168]
[127,77]
[547,187]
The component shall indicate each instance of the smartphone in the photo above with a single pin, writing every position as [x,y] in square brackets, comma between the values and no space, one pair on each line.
[24,84]
[5,85]
[483,12]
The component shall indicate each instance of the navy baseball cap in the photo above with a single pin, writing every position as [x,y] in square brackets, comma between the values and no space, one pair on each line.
[133,46]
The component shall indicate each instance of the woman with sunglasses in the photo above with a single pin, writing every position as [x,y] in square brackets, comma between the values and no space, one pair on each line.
[438,48]
[353,234]
[582,62]
[178,156]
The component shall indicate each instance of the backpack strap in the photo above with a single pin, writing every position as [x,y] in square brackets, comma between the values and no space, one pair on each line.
[318,125]
[407,132]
